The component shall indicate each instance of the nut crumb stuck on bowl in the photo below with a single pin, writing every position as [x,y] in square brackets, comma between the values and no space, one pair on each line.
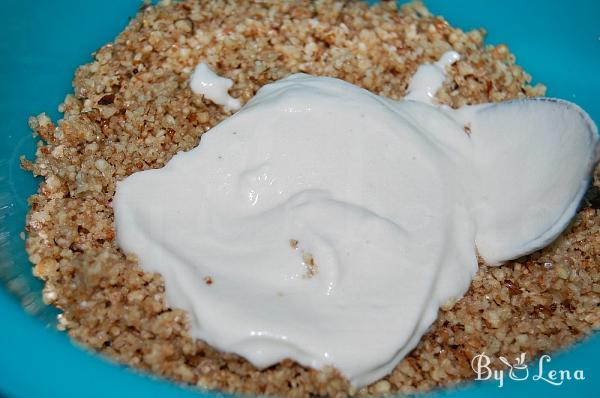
[132,109]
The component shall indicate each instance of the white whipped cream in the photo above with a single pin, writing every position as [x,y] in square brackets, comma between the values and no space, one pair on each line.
[214,87]
[428,79]
[326,224]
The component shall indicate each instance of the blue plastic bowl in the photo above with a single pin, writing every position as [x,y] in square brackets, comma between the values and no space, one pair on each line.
[41,44]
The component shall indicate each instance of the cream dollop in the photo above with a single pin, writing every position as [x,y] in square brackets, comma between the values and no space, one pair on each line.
[428,79]
[214,87]
[326,224]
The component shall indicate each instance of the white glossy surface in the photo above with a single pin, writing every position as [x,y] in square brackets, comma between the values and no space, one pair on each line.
[214,87]
[388,197]
[428,79]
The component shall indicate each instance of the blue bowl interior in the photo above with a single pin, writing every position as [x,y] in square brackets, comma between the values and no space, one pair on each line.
[41,45]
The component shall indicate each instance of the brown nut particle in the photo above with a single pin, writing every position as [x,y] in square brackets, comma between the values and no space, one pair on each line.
[107,99]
